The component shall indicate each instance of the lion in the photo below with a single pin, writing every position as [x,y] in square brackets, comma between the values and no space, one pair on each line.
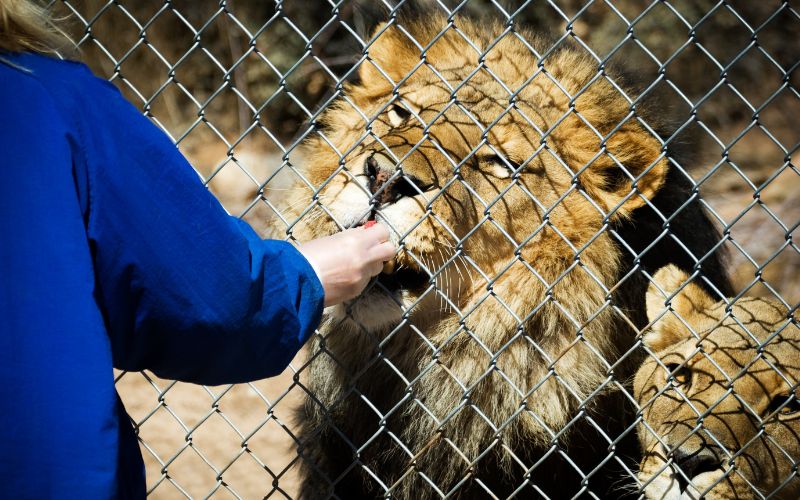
[719,397]
[525,190]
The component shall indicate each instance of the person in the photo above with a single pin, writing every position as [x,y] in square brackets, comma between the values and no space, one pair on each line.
[113,253]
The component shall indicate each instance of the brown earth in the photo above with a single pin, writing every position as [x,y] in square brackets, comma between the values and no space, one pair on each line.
[227,441]
[761,215]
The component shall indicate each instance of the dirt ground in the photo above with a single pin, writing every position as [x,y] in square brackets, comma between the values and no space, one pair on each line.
[227,441]
[763,258]
[238,440]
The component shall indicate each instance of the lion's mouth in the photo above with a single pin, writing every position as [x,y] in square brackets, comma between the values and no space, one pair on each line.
[395,277]
[403,279]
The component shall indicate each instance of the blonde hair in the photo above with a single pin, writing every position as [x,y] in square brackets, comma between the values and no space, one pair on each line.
[29,26]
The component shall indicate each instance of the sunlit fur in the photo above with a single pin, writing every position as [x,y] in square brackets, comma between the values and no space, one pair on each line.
[524,257]
[720,405]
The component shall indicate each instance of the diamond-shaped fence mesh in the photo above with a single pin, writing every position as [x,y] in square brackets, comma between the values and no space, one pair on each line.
[539,163]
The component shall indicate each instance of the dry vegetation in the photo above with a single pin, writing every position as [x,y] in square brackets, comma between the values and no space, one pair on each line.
[236,105]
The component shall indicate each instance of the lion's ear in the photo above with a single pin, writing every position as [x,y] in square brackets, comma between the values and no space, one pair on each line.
[633,170]
[391,56]
[672,302]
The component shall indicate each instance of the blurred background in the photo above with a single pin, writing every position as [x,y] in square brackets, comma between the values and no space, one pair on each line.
[238,83]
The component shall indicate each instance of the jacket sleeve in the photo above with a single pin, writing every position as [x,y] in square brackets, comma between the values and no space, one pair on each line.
[187,291]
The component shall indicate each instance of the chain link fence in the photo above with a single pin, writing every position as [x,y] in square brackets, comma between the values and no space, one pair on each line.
[537,162]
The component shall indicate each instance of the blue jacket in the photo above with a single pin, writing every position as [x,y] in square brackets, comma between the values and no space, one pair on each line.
[113,253]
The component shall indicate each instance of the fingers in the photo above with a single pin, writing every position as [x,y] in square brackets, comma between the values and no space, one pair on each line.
[375,268]
[381,248]
[345,262]
[377,233]
[383,252]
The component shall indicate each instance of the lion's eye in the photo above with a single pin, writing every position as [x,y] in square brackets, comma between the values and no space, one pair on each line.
[500,166]
[784,404]
[503,161]
[398,115]
[680,374]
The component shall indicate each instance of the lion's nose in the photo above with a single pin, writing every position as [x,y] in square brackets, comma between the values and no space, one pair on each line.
[694,464]
[386,188]
[377,176]
[371,167]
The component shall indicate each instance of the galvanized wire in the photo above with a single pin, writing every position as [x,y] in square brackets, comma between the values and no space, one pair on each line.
[232,109]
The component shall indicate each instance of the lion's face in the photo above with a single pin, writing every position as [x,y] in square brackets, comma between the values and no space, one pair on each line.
[718,406]
[482,171]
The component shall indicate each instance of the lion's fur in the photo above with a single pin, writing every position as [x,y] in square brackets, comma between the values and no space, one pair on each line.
[416,397]
[733,357]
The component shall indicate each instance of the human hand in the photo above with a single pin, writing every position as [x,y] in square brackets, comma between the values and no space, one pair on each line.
[346,261]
